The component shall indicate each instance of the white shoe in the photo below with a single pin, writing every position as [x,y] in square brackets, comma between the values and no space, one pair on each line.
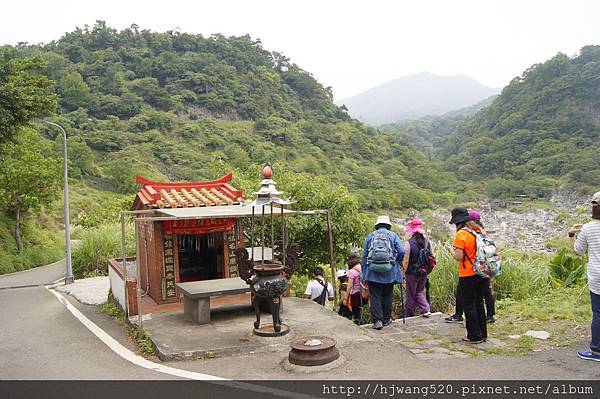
[426,314]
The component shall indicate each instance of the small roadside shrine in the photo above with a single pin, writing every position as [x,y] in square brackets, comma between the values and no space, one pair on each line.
[187,249]
[191,232]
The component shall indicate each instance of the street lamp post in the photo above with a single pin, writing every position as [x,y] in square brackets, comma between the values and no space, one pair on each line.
[69,274]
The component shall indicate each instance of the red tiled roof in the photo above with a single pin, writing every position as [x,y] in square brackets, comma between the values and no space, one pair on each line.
[183,195]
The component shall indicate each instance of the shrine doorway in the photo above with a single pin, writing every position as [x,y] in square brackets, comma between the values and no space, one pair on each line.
[200,256]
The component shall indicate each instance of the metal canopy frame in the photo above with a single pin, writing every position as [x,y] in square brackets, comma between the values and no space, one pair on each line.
[239,212]
[242,212]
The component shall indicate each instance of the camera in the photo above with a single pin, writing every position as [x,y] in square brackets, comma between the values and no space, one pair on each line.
[574,230]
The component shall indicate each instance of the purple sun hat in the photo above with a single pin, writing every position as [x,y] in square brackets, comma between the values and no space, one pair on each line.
[474,215]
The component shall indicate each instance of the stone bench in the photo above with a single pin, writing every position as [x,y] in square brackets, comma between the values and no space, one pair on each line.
[196,296]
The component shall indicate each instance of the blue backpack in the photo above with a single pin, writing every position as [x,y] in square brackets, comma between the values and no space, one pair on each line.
[380,256]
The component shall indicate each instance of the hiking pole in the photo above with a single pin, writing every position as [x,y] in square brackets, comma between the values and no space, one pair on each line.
[361,319]
[402,301]
[581,292]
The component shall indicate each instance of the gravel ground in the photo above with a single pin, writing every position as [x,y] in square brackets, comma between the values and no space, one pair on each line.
[91,291]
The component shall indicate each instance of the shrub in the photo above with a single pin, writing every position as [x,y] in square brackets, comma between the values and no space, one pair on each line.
[42,246]
[107,211]
[298,284]
[98,245]
[566,268]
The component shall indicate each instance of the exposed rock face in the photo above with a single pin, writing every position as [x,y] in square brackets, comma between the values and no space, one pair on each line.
[526,231]
[569,200]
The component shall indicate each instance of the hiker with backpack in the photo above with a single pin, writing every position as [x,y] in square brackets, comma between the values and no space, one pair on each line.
[588,240]
[382,255]
[478,261]
[318,289]
[358,289]
[342,278]
[418,262]
[457,317]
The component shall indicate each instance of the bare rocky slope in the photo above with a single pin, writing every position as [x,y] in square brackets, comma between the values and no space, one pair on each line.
[527,227]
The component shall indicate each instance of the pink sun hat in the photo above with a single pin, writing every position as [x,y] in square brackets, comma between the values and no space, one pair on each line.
[414,226]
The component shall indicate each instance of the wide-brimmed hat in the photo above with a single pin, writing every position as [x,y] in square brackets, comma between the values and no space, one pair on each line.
[474,215]
[383,220]
[341,273]
[596,199]
[414,226]
[459,215]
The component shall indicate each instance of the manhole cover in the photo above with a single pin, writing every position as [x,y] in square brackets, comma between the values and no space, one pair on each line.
[313,351]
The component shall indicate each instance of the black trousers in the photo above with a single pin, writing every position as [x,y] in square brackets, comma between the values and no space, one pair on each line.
[490,308]
[473,291]
[381,301]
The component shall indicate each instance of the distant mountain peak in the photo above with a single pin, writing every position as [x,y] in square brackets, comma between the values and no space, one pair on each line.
[416,95]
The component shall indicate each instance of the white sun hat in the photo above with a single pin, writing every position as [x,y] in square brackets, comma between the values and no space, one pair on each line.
[383,220]
[341,273]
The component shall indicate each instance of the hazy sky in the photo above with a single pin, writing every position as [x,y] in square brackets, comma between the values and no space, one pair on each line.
[349,45]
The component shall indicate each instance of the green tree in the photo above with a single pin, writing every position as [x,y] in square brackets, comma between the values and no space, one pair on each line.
[29,178]
[81,157]
[350,226]
[24,92]
[74,92]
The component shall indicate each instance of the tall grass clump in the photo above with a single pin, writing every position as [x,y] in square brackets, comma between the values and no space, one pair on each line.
[443,279]
[523,276]
[298,285]
[98,244]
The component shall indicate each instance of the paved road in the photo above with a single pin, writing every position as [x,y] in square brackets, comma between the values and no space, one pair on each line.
[38,276]
[43,275]
[42,340]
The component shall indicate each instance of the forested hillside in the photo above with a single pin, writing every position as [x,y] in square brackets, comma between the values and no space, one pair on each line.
[427,134]
[430,133]
[176,106]
[541,132]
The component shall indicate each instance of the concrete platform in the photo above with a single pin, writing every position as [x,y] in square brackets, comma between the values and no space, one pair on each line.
[230,331]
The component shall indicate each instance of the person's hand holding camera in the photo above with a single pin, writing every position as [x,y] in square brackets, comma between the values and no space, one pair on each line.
[574,230]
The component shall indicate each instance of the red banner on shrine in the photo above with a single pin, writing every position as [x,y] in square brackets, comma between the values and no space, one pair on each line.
[198,226]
